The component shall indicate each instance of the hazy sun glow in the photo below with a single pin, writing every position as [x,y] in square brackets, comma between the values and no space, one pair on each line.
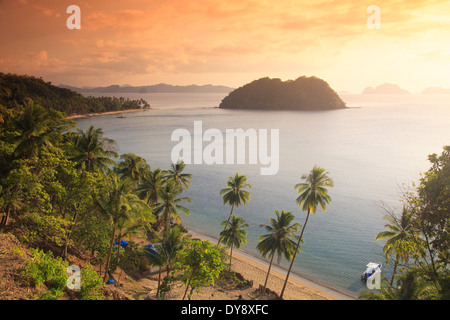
[141,42]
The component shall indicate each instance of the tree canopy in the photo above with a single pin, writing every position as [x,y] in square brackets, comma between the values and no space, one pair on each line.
[304,93]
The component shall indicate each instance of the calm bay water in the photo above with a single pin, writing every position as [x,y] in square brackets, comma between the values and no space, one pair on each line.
[370,150]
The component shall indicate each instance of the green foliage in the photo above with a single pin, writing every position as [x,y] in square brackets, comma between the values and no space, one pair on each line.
[46,228]
[175,173]
[235,194]
[92,151]
[419,238]
[52,294]
[166,286]
[132,167]
[234,235]
[45,268]
[17,88]
[279,240]
[170,206]
[201,264]
[91,284]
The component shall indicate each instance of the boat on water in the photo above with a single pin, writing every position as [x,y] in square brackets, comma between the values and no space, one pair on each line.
[372,267]
[121,117]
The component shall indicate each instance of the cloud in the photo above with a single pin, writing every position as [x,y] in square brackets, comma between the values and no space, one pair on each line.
[176,38]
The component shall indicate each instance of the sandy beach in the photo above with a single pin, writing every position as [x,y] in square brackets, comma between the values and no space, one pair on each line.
[255,269]
[75,116]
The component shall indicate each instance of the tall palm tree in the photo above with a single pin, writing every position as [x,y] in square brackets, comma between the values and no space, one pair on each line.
[164,252]
[400,238]
[117,203]
[132,166]
[170,204]
[93,152]
[313,193]
[176,174]
[234,235]
[279,240]
[151,186]
[234,194]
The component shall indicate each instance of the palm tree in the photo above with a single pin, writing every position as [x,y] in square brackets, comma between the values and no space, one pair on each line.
[279,240]
[399,237]
[129,228]
[164,252]
[312,194]
[133,167]
[170,205]
[37,127]
[118,203]
[234,235]
[176,174]
[234,194]
[93,152]
[151,186]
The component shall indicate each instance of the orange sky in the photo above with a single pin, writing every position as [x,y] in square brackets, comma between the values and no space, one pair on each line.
[142,42]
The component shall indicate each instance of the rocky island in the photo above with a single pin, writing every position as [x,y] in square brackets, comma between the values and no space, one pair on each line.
[304,93]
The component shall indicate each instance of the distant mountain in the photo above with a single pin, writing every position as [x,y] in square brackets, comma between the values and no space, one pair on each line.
[436,90]
[386,88]
[157,88]
[273,94]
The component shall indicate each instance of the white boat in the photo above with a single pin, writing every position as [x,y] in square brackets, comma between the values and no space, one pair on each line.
[372,267]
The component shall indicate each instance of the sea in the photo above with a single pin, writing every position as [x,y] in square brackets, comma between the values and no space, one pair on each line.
[374,151]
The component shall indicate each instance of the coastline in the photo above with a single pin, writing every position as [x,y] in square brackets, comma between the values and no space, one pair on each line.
[255,269]
[77,116]
[298,288]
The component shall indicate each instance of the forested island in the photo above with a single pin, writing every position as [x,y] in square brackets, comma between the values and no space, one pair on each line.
[15,89]
[304,93]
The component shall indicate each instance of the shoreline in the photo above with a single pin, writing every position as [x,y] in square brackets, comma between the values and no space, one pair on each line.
[298,288]
[254,268]
[87,115]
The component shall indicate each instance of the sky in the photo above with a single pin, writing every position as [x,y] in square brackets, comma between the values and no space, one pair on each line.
[144,42]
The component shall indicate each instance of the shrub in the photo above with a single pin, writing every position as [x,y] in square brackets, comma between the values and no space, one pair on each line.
[91,284]
[44,268]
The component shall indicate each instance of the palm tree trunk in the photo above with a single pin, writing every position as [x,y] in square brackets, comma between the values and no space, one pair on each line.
[159,283]
[119,239]
[295,253]
[268,271]
[393,273]
[109,254]
[229,217]
[231,255]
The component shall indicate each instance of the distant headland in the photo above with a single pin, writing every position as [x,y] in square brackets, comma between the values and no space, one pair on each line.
[386,88]
[156,88]
[304,93]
